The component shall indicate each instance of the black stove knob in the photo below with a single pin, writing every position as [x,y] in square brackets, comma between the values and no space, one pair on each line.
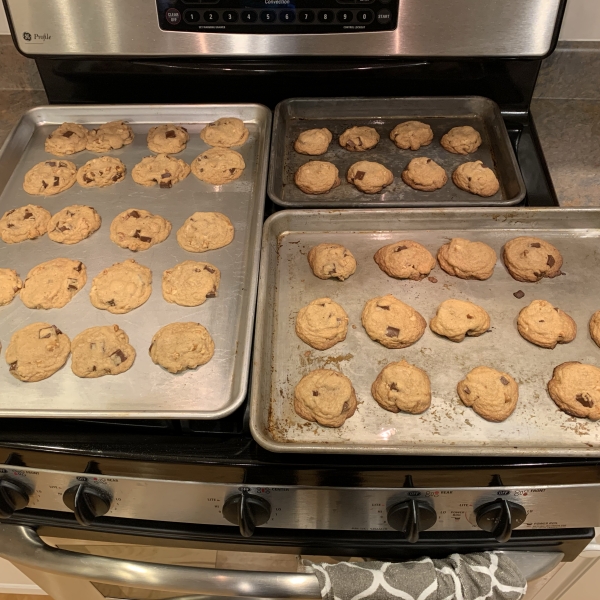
[87,502]
[500,517]
[247,511]
[13,496]
[411,517]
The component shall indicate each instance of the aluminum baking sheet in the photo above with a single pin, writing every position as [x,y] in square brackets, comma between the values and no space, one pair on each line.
[281,359]
[337,114]
[146,390]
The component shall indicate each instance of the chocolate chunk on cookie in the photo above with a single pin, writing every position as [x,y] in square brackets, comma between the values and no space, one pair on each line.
[331,261]
[359,139]
[138,229]
[476,178]
[218,166]
[456,319]
[205,231]
[226,132]
[10,284]
[313,141]
[467,260]
[73,224]
[50,177]
[167,139]
[322,324]
[424,174]
[545,325]
[317,177]
[190,283]
[402,387]
[461,140]
[24,223]
[405,260]
[531,259]
[369,177]
[575,388]
[66,139]
[411,135]
[109,136]
[162,170]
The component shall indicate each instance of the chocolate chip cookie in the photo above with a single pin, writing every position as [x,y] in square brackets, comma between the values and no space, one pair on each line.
[317,177]
[492,394]
[461,140]
[411,135]
[313,141]
[53,284]
[205,231]
[162,170]
[218,166]
[322,324]
[167,139]
[37,351]
[456,319]
[575,387]
[531,259]
[181,346]
[424,174]
[68,138]
[369,177]
[544,325]
[10,284]
[326,397]
[402,387]
[405,260]
[109,136]
[50,177]
[100,351]
[392,323]
[467,260]
[226,132]
[24,223]
[73,224]
[190,283]
[476,178]
[139,229]
[331,261]
[122,287]
[594,327]
[101,172]
[359,139]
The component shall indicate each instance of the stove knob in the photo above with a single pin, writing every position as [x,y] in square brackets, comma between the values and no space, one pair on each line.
[410,517]
[247,511]
[13,496]
[500,517]
[87,502]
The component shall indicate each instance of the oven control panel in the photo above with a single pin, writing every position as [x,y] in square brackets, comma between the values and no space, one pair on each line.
[277,16]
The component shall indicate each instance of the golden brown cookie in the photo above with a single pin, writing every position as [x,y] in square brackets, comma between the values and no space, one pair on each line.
[424,174]
[161,169]
[545,325]
[73,224]
[405,260]
[138,229]
[317,177]
[10,284]
[369,177]
[190,283]
[492,394]
[68,138]
[167,139]
[218,166]
[101,172]
[313,141]
[461,140]
[109,136]
[322,324]
[50,177]
[575,387]
[402,387]
[226,132]
[531,259]
[411,135]
[331,261]
[24,223]
[467,260]
[594,327]
[205,231]
[326,397]
[475,178]
[455,319]
[359,139]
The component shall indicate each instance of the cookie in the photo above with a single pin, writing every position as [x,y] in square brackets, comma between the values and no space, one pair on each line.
[455,319]
[180,346]
[402,387]
[167,139]
[467,260]
[205,231]
[52,284]
[492,394]
[10,284]
[326,397]
[475,178]
[139,229]
[359,139]
[461,140]
[594,327]
[37,351]
[73,224]
[68,138]
[322,324]
[226,132]
[24,223]
[101,172]
[424,174]
[122,287]
[544,325]
[110,136]
[575,387]
[218,166]
[100,351]
[411,135]
[369,177]
[190,283]
[331,261]
[313,141]
[50,177]
[392,323]
[405,260]
[317,177]
[531,259]
[161,169]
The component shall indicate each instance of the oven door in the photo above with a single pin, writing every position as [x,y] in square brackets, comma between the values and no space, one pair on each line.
[72,569]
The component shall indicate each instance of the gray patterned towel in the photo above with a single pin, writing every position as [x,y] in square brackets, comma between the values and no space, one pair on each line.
[481,576]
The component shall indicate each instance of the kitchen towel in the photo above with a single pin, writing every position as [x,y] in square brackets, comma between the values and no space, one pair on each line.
[480,576]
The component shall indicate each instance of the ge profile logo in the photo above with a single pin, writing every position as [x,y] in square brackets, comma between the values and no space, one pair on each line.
[26,36]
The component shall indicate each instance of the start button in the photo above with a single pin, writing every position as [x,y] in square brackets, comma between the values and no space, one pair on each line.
[384,16]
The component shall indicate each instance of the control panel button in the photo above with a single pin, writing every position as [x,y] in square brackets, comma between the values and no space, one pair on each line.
[364,1]
[345,16]
[211,16]
[13,496]
[384,16]
[268,16]
[364,16]
[287,16]
[325,16]
[249,16]
[173,16]
[500,518]
[191,16]
[247,511]
[411,517]
[88,502]
[306,16]
[230,16]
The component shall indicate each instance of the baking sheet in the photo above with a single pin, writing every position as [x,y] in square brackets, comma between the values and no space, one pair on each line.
[146,390]
[281,359]
[337,114]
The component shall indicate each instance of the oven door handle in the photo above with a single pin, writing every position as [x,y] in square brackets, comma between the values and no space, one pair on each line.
[22,545]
